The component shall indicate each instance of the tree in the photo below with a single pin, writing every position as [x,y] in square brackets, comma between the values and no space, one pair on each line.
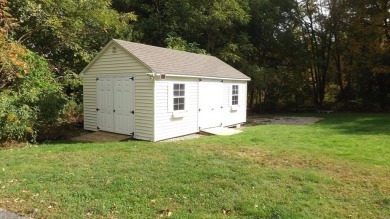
[318,34]
[68,33]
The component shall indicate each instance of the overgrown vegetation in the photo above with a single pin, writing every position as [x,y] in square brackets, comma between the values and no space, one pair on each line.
[336,168]
[31,99]
[32,103]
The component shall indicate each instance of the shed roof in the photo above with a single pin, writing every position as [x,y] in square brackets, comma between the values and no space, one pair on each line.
[173,62]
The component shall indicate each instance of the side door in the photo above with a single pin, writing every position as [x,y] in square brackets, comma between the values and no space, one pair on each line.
[210,103]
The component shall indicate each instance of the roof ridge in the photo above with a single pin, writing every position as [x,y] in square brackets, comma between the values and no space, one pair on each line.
[168,49]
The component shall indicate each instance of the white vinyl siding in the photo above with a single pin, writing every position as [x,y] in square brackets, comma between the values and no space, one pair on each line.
[166,126]
[120,64]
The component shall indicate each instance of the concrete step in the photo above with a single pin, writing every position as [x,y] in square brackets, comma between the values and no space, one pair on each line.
[221,131]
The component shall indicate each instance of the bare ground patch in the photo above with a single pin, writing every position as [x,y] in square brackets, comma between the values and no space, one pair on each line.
[280,120]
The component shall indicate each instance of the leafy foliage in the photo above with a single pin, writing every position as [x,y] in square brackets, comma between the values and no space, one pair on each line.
[16,118]
[12,54]
[69,33]
[31,99]
[179,43]
[33,104]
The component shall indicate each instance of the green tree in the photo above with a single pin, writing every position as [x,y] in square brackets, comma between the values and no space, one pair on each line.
[68,33]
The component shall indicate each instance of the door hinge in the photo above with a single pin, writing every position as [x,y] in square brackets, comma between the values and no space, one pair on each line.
[97,79]
[132,112]
[132,78]
[97,109]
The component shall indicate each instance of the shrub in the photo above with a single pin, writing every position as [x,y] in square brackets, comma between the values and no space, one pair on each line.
[16,119]
[32,104]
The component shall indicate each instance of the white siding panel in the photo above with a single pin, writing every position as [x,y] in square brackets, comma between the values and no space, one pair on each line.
[120,64]
[165,125]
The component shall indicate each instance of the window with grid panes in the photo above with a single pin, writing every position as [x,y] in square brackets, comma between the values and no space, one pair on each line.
[178,97]
[235,95]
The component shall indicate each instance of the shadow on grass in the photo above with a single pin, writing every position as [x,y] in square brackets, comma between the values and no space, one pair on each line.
[58,142]
[365,124]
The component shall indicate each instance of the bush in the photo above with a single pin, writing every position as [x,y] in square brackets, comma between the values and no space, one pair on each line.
[16,119]
[32,104]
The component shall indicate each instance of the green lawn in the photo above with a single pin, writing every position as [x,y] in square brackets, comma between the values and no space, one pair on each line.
[336,168]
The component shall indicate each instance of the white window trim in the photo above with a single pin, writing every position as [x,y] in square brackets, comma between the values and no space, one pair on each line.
[235,95]
[177,113]
[179,96]
[231,97]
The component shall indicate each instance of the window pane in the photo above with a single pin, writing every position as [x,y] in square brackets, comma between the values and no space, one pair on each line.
[235,89]
[178,93]
[234,100]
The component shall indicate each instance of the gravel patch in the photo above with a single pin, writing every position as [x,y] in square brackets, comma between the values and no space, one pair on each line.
[281,120]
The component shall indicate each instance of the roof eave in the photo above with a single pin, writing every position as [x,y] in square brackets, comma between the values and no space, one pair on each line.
[205,77]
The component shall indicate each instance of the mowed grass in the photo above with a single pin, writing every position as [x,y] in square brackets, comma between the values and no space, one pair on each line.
[336,168]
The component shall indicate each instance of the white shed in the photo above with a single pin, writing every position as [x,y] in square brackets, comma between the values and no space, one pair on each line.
[155,93]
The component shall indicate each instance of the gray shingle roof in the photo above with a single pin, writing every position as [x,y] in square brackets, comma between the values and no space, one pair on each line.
[173,62]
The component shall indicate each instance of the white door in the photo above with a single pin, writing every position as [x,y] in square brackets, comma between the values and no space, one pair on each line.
[124,105]
[105,104]
[210,104]
[115,105]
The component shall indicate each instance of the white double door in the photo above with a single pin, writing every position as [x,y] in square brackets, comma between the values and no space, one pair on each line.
[115,104]
[210,103]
